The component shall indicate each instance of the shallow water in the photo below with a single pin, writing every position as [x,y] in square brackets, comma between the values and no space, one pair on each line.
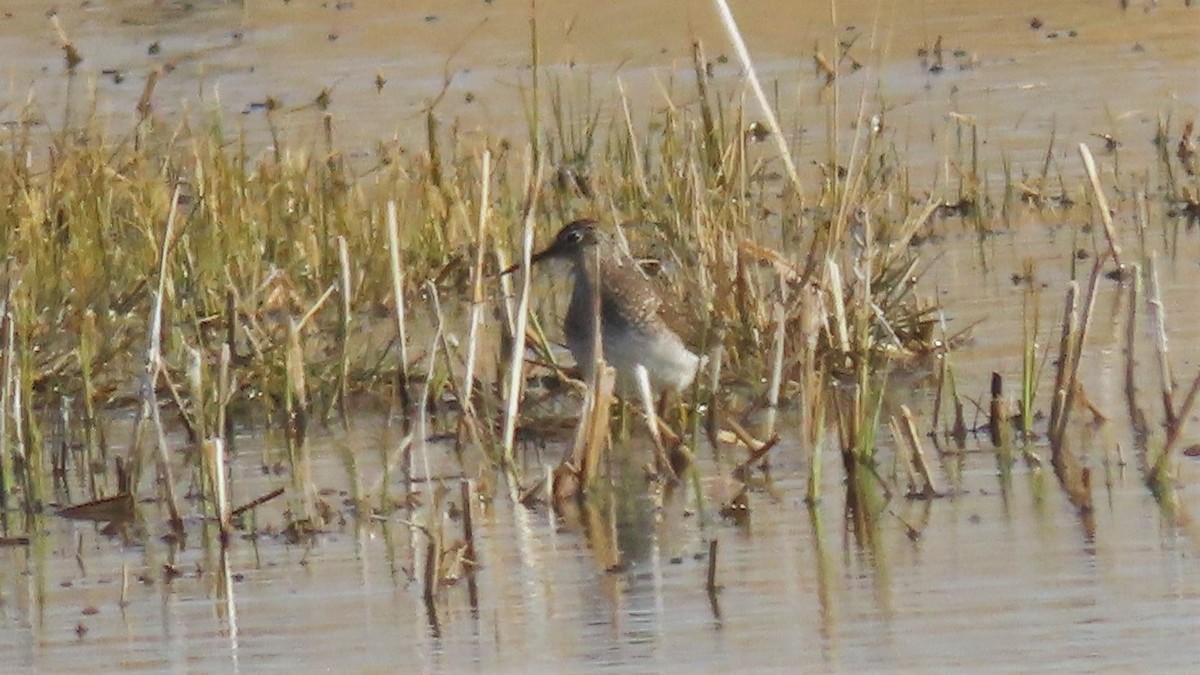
[1004,574]
[1088,68]
[1001,574]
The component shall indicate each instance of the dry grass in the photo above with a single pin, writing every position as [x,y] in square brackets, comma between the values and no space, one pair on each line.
[284,290]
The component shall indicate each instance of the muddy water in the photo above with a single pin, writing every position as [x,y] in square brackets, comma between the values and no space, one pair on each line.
[1005,573]
[1018,72]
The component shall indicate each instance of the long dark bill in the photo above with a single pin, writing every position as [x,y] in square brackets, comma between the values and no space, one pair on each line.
[548,252]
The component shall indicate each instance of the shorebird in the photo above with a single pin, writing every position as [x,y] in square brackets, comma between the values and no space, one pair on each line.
[612,298]
[635,338]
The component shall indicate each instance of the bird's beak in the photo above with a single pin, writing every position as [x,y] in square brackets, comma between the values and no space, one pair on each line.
[548,252]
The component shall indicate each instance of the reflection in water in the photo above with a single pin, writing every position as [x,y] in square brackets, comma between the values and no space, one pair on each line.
[619,582]
[226,605]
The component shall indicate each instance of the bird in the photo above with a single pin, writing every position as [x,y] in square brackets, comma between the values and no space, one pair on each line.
[612,298]
[635,338]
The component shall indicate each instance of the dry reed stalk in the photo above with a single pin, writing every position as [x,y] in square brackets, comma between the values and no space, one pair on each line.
[152,369]
[225,592]
[739,435]
[959,429]
[516,373]
[739,46]
[715,364]
[26,447]
[198,429]
[908,430]
[708,125]
[1110,230]
[343,385]
[939,394]
[430,585]
[6,391]
[422,430]
[757,453]
[1137,416]
[195,432]
[813,420]
[851,196]
[906,457]
[507,294]
[124,600]
[231,318]
[1175,417]
[144,105]
[594,432]
[296,408]
[1158,328]
[710,582]
[225,387]
[472,553]
[477,280]
[397,270]
[1072,475]
[1143,219]
[316,307]
[213,450]
[639,178]
[997,412]
[834,286]
[776,362]
[296,423]
[1029,368]
[1175,432]
[256,502]
[1060,402]
[421,433]
[94,452]
[468,419]
[435,157]
[70,51]
[1070,354]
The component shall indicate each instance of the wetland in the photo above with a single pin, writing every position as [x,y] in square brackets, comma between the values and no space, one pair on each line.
[267,403]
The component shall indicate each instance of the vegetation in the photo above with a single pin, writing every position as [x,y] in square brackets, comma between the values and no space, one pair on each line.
[247,285]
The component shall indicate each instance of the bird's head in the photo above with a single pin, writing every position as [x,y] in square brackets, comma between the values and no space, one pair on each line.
[573,241]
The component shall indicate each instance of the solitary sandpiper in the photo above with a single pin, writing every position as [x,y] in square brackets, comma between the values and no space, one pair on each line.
[636,340]
[613,299]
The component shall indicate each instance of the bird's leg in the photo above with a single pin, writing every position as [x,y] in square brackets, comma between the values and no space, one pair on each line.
[642,377]
[666,417]
[661,409]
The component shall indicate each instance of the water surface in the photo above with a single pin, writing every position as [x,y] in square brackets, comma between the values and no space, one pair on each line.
[1003,574]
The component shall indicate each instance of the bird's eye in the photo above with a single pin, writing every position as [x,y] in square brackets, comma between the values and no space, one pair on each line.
[574,236]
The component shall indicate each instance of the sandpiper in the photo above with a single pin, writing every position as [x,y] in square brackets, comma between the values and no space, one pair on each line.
[635,339]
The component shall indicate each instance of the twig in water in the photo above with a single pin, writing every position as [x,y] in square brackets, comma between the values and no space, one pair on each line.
[908,430]
[1110,230]
[469,537]
[255,503]
[711,583]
